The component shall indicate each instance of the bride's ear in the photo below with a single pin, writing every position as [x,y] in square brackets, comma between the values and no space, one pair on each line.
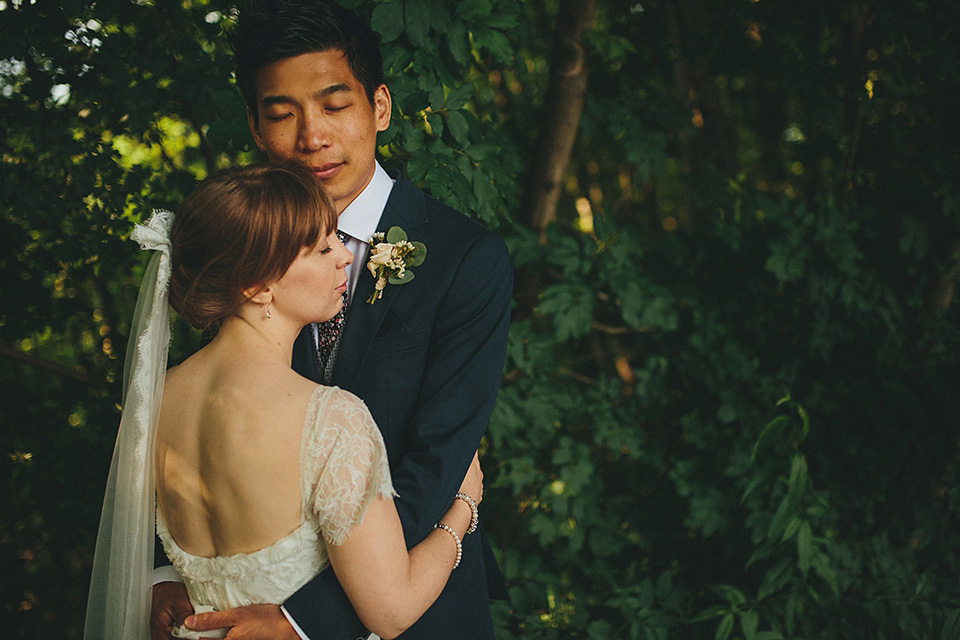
[259,294]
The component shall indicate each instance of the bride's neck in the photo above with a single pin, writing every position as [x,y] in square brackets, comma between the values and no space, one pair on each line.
[256,341]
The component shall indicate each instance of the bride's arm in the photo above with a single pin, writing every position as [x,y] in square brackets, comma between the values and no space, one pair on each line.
[389,586]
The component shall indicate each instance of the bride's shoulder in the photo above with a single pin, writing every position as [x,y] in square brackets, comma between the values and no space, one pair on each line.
[341,409]
[343,401]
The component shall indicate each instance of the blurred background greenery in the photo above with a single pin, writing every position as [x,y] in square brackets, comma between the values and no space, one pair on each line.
[732,396]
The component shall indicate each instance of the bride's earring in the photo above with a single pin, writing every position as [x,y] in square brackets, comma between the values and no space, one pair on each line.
[266,311]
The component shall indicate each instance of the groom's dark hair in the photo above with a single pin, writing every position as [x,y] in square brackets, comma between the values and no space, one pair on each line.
[271,30]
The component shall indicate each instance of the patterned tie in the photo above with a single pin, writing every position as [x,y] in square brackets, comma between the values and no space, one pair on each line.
[328,334]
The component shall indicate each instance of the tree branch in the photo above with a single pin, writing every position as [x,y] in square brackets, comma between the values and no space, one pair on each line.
[48,365]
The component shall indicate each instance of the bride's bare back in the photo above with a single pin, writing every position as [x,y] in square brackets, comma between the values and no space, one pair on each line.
[228,451]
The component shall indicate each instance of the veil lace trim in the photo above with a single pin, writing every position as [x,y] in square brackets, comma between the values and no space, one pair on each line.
[121,580]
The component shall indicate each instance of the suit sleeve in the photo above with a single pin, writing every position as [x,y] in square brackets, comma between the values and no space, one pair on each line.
[458,388]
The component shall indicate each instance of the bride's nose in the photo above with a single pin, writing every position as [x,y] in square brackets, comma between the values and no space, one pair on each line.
[345,257]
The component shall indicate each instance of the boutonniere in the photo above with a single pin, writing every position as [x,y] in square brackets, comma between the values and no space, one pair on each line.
[391,258]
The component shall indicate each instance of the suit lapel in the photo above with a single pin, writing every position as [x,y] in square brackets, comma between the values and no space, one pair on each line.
[405,209]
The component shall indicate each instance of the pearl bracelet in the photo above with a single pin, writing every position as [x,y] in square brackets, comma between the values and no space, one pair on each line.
[456,539]
[474,514]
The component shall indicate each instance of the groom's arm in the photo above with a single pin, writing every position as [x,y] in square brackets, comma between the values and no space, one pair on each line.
[455,398]
[458,388]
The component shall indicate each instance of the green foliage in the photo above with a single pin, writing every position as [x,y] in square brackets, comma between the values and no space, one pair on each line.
[762,197]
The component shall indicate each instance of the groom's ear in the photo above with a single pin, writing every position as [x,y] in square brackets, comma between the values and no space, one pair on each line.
[382,107]
[254,125]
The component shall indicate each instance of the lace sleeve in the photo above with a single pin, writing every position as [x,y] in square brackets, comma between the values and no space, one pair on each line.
[352,469]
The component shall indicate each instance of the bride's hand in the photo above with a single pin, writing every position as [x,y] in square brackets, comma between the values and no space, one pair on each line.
[459,514]
[473,481]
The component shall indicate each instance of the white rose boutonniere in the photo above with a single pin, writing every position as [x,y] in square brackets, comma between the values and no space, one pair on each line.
[391,258]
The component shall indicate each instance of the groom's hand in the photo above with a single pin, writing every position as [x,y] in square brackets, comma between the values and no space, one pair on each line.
[169,608]
[252,622]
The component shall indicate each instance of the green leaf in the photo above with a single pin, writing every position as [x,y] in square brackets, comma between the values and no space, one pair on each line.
[755,482]
[749,620]
[407,277]
[387,20]
[501,21]
[805,547]
[725,628]
[822,567]
[386,137]
[421,253]
[804,423]
[458,96]
[796,487]
[776,577]
[951,627]
[418,22]
[395,235]
[458,127]
[798,480]
[459,42]
[760,553]
[778,523]
[471,9]
[770,434]
[731,594]
[710,613]
[436,124]
[418,165]
[495,42]
[793,525]
[436,97]
[571,307]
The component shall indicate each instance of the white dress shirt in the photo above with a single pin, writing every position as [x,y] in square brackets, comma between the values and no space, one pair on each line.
[360,219]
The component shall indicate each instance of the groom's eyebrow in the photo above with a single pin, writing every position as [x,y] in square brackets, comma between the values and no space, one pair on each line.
[334,88]
[266,101]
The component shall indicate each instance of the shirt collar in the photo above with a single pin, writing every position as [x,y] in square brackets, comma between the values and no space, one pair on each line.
[361,217]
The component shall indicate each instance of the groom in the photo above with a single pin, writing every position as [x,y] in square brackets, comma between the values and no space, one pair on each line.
[426,358]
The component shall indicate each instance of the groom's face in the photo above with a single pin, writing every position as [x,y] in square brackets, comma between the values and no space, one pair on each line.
[312,108]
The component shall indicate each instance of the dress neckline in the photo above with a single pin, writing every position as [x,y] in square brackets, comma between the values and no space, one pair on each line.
[296,534]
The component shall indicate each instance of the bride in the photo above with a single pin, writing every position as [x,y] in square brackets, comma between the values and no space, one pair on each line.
[262,478]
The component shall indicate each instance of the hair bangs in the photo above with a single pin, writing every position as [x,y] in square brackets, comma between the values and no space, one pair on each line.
[241,229]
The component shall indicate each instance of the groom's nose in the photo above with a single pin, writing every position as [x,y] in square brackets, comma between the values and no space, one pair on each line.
[314,133]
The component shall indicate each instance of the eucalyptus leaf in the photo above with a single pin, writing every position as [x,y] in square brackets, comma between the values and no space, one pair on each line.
[421,253]
[407,277]
[395,234]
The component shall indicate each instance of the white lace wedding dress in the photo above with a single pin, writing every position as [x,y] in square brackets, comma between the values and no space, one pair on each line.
[343,467]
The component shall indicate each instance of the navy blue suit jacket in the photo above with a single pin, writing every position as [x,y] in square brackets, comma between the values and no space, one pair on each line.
[426,359]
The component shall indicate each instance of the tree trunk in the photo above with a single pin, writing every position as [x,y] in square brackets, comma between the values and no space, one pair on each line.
[562,107]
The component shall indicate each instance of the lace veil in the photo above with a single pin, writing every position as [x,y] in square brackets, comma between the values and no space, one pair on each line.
[120,585]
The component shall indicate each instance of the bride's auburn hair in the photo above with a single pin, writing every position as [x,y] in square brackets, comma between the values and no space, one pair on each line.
[241,229]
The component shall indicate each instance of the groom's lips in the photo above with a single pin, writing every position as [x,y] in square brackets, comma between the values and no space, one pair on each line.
[328,170]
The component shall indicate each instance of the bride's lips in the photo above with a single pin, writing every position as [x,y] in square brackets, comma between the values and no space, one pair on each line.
[342,287]
[328,170]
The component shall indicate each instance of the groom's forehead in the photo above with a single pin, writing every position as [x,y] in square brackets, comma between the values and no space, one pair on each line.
[304,68]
